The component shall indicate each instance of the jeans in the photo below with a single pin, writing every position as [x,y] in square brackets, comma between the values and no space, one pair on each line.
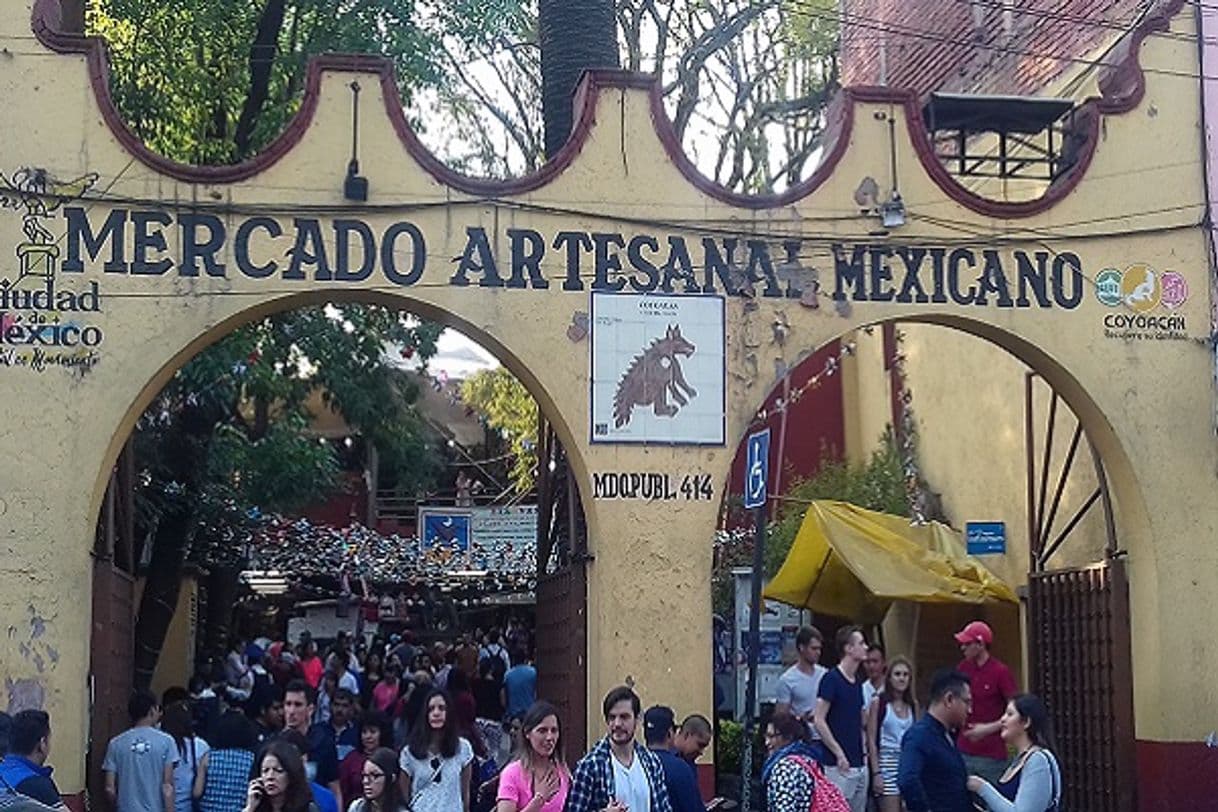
[853,785]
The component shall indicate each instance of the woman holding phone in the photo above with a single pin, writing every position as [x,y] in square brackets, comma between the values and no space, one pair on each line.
[278,783]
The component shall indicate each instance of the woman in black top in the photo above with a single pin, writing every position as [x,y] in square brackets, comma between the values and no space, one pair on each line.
[278,782]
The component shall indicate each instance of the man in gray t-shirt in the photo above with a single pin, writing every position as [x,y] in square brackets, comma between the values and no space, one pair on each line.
[798,685]
[139,762]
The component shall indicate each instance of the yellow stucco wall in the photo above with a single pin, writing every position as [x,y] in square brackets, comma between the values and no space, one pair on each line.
[968,403]
[177,661]
[1149,404]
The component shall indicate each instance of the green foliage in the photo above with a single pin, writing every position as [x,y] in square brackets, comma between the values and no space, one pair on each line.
[241,405]
[728,746]
[181,72]
[508,407]
[214,81]
[879,484]
[284,469]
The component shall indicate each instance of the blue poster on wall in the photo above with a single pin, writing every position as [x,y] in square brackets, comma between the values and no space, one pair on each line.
[448,531]
[986,538]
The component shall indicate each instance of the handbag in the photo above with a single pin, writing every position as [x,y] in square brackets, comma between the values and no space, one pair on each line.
[1054,801]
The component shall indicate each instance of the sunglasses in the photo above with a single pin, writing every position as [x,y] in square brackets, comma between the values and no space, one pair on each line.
[372,776]
[435,765]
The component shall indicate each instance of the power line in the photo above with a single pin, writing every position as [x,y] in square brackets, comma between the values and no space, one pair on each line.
[873,24]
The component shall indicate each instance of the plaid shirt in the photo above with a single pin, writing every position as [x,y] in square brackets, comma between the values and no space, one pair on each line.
[592,785]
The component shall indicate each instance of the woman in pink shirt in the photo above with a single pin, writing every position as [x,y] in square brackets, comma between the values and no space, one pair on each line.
[537,779]
[388,691]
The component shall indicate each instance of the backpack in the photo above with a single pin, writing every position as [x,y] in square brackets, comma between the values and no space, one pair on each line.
[825,796]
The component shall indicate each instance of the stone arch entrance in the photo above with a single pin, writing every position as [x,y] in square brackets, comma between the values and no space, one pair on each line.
[561,591]
[1068,559]
[151,257]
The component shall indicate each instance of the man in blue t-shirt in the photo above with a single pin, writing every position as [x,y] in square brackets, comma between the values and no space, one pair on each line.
[659,731]
[839,719]
[519,686]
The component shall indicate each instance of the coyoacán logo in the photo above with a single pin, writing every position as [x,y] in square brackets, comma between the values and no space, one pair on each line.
[1136,293]
[653,376]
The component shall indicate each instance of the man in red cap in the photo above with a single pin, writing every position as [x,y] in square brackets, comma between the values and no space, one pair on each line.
[992,685]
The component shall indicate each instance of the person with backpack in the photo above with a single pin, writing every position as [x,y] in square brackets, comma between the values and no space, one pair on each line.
[494,648]
[792,776]
[1033,782]
[24,770]
[888,718]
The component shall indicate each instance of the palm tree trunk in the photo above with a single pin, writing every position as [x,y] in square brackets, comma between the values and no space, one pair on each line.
[576,36]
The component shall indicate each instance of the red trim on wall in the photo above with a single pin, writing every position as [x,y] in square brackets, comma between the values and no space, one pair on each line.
[706,781]
[1122,87]
[1175,776]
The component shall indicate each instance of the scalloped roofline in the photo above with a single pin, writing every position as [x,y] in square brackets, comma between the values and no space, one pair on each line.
[1122,88]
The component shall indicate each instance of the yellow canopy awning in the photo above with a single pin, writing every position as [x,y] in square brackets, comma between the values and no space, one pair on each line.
[853,563]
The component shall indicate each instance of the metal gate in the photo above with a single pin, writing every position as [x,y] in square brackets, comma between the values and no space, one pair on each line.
[562,592]
[1079,638]
[1078,632]
[561,646]
[112,633]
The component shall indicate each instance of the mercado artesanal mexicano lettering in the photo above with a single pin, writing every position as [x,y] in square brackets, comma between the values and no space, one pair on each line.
[136,242]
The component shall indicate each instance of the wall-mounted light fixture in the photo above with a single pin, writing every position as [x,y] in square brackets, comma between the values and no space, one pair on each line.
[355,187]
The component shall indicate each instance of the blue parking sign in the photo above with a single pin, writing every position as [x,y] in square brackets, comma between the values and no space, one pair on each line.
[757,469]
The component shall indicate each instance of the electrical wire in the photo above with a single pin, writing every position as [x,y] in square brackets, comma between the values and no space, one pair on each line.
[887,28]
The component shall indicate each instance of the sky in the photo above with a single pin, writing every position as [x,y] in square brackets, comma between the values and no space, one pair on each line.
[460,356]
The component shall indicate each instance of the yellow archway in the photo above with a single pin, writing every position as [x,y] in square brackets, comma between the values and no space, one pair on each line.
[155,260]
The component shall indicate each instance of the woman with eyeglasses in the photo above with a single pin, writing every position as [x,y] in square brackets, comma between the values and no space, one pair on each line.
[436,762]
[790,775]
[380,791]
[537,779]
[375,732]
[278,783]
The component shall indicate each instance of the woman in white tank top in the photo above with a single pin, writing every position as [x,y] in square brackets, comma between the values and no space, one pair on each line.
[889,716]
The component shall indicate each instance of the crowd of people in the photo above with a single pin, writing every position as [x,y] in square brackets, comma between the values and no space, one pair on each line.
[856,733]
[399,727]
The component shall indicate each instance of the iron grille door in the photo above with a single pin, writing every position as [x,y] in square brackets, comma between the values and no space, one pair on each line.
[562,676]
[1079,642]
[112,649]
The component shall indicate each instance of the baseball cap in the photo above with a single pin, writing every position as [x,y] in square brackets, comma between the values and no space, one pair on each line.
[658,722]
[976,632]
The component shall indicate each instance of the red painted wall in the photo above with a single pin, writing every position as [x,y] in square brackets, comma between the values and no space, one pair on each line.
[343,508]
[815,427]
[1177,776]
